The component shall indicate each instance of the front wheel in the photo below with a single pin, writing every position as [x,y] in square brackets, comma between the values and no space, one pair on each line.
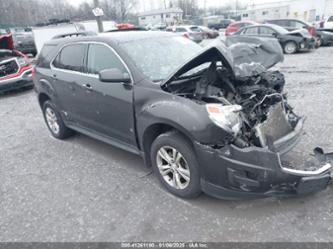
[175,164]
[290,47]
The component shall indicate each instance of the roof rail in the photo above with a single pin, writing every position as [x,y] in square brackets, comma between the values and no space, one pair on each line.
[74,34]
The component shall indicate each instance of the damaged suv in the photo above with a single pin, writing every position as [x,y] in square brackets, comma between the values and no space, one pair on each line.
[208,119]
[15,68]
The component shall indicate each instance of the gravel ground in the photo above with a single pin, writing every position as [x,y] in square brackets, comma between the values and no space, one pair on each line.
[85,190]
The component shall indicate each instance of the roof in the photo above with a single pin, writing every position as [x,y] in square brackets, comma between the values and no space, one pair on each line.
[161,11]
[116,37]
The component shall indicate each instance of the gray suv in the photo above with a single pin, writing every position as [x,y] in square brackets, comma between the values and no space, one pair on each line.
[205,119]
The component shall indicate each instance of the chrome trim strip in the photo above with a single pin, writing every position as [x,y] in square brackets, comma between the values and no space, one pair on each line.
[322,170]
[87,74]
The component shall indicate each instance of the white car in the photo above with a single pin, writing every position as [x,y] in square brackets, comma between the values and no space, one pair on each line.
[328,24]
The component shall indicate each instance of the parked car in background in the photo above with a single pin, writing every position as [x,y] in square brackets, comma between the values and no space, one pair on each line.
[209,33]
[15,68]
[204,119]
[193,33]
[25,43]
[328,24]
[221,25]
[291,42]
[24,40]
[326,36]
[294,24]
[234,27]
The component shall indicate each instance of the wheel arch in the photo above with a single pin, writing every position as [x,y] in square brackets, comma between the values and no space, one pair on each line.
[155,130]
[42,98]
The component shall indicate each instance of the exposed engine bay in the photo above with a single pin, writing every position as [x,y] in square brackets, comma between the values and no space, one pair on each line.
[263,114]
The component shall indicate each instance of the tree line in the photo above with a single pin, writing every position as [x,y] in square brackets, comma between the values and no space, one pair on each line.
[41,12]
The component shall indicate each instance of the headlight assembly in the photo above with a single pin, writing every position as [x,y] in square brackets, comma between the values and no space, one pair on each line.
[226,117]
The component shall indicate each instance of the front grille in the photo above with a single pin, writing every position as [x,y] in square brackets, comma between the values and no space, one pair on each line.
[7,68]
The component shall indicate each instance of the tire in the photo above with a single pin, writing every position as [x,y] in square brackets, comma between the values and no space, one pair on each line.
[183,177]
[290,47]
[54,122]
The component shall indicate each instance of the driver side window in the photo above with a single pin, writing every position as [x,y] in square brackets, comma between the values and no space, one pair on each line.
[101,57]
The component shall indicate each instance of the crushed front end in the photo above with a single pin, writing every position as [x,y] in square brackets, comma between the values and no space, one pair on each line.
[248,102]
[15,68]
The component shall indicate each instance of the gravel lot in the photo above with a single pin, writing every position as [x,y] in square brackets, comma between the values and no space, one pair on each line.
[85,190]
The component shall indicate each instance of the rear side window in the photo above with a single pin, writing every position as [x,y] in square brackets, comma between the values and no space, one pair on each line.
[297,25]
[195,29]
[45,56]
[251,31]
[71,58]
[266,31]
[181,30]
[101,57]
[283,23]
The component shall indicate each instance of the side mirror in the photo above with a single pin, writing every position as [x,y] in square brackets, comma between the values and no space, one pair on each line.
[275,34]
[114,75]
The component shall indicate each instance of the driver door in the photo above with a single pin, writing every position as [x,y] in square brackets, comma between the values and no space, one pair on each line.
[109,106]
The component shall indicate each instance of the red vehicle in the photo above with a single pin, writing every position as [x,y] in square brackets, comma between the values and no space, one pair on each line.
[15,67]
[234,27]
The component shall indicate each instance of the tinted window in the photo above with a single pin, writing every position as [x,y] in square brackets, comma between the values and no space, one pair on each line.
[45,56]
[283,23]
[101,57]
[266,31]
[297,25]
[195,29]
[251,31]
[181,30]
[71,58]
[330,19]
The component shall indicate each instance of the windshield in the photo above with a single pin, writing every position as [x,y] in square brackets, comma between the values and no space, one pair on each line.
[159,57]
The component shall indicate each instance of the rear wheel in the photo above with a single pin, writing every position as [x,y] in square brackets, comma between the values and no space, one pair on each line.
[175,164]
[54,121]
[290,47]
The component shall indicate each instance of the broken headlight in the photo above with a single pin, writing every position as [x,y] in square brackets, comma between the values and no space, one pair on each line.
[227,117]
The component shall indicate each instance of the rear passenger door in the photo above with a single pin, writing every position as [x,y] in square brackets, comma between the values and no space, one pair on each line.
[67,74]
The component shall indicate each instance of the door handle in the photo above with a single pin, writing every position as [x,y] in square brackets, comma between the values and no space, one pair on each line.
[88,86]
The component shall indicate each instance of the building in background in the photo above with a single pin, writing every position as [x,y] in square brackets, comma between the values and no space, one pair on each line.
[309,11]
[167,16]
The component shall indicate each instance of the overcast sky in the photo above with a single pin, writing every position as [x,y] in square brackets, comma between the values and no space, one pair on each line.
[153,4]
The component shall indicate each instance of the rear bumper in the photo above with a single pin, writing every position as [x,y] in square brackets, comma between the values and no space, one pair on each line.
[22,79]
[253,172]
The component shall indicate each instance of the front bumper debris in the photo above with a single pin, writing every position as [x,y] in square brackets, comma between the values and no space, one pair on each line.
[255,172]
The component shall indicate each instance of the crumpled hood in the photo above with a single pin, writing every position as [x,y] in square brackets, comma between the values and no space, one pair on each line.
[6,42]
[241,59]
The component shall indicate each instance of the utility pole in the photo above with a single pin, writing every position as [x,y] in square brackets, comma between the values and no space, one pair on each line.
[98,17]
[205,7]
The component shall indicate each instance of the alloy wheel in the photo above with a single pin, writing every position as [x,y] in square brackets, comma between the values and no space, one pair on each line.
[52,120]
[173,167]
